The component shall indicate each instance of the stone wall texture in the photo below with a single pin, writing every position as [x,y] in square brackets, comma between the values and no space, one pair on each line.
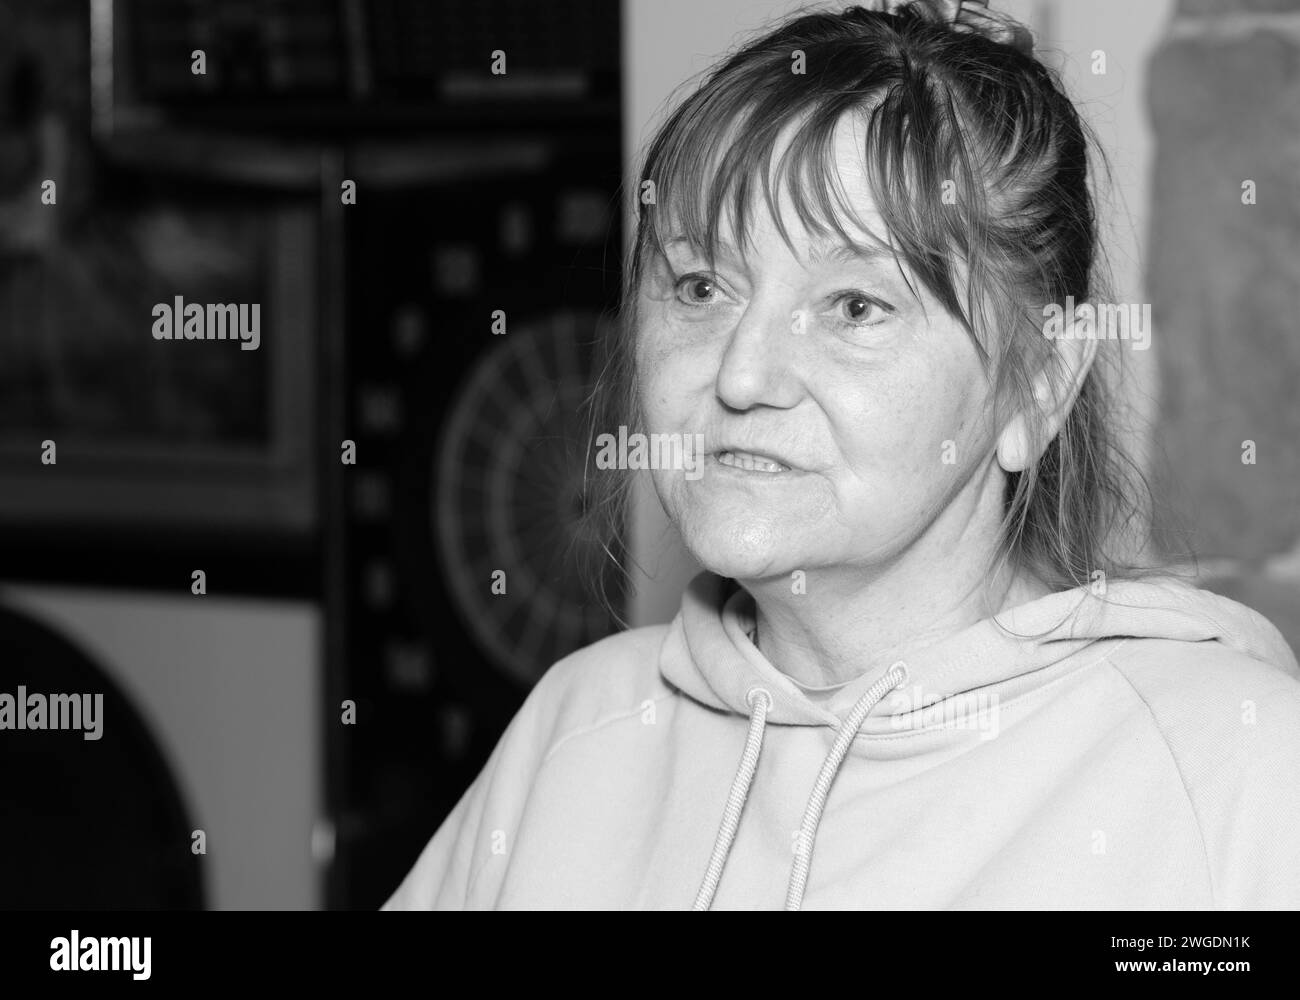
[1224,282]
[1224,277]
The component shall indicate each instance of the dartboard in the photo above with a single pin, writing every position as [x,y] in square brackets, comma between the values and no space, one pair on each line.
[509,494]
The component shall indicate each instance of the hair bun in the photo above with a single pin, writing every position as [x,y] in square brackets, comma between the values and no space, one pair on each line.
[975,16]
[972,16]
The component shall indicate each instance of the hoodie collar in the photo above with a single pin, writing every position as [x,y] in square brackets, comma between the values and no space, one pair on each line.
[708,652]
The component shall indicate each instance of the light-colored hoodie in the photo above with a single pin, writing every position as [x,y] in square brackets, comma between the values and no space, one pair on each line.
[1135,750]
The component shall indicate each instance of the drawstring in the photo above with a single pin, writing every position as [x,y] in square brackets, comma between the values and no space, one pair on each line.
[812,816]
[736,800]
[760,702]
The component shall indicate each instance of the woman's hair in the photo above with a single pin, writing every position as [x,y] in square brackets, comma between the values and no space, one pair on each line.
[978,163]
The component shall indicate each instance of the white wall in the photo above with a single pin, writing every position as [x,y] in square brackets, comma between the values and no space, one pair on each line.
[670,41]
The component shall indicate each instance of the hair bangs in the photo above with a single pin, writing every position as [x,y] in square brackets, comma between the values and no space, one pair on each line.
[708,179]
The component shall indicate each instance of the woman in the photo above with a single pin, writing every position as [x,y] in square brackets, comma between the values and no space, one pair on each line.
[917,671]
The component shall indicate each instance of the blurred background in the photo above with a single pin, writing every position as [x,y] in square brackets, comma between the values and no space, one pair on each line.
[355,167]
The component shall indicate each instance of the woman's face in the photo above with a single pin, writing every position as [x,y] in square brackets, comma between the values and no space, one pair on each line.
[841,417]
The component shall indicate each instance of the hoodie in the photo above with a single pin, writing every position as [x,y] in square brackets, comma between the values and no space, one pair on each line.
[1133,750]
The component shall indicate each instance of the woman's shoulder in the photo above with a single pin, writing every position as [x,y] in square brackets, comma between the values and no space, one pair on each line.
[612,678]
[1180,676]
[1221,709]
[1187,646]
[617,659]
[1228,717]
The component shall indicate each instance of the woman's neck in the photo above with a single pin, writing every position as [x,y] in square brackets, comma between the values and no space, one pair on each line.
[845,623]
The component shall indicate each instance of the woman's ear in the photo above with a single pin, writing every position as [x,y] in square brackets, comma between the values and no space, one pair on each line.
[1015,444]
[1055,387]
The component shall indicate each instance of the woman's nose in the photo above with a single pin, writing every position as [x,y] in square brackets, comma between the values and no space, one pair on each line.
[757,366]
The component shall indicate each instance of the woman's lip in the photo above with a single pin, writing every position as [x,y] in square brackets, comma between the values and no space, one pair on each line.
[753,457]
[762,456]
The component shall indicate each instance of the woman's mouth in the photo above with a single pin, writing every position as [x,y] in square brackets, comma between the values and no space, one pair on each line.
[750,462]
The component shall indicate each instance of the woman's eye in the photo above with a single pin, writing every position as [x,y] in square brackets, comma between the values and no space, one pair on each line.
[856,309]
[697,289]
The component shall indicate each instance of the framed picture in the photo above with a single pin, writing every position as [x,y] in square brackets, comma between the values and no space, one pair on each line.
[100,420]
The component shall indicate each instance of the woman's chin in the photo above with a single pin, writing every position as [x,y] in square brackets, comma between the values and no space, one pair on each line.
[745,553]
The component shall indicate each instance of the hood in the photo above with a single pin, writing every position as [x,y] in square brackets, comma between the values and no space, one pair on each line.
[709,654]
